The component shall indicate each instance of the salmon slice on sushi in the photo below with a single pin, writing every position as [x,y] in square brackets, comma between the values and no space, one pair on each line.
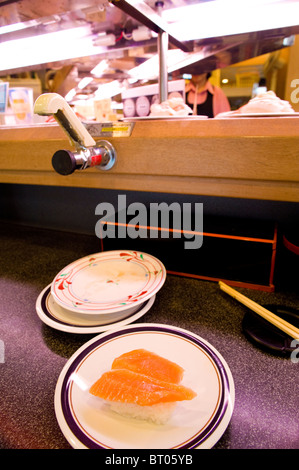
[151,364]
[141,395]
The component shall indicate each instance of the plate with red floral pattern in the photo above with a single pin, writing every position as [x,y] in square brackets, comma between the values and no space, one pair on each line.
[108,282]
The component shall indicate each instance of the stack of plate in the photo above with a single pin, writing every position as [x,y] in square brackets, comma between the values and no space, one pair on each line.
[104,293]
[101,291]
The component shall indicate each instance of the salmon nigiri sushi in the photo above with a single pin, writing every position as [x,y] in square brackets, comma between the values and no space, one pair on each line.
[140,395]
[151,364]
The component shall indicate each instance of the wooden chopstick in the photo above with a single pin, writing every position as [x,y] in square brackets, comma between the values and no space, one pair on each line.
[283,325]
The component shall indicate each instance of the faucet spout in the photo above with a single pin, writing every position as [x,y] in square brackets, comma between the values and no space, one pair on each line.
[88,153]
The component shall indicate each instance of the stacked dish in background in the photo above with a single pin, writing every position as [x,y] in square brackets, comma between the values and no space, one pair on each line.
[101,291]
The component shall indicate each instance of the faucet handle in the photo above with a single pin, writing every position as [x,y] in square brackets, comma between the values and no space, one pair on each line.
[54,104]
[103,157]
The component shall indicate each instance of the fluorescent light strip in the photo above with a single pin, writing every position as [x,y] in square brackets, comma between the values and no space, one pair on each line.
[50,47]
[175,59]
[11,28]
[84,82]
[182,13]
[194,21]
[150,68]
[100,68]
[109,89]
[70,95]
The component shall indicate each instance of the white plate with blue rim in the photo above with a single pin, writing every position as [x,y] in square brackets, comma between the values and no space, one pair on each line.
[199,423]
[61,319]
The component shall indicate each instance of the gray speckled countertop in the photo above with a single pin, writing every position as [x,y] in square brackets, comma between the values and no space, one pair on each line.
[266,385]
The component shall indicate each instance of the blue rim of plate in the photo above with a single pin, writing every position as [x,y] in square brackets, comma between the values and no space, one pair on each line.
[57,320]
[227,387]
[54,322]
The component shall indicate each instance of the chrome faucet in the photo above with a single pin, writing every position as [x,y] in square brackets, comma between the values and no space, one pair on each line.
[88,153]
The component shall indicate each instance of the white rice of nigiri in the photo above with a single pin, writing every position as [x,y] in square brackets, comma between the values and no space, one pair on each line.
[159,413]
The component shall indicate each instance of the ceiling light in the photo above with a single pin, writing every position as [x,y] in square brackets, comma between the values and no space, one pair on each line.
[50,47]
[109,89]
[191,22]
[175,59]
[81,98]
[70,95]
[11,28]
[84,82]
[150,68]
[99,69]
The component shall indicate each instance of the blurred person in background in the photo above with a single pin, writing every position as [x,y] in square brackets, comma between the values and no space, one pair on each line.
[204,98]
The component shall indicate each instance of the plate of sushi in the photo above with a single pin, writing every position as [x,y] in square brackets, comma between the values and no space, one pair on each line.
[144,386]
[101,291]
